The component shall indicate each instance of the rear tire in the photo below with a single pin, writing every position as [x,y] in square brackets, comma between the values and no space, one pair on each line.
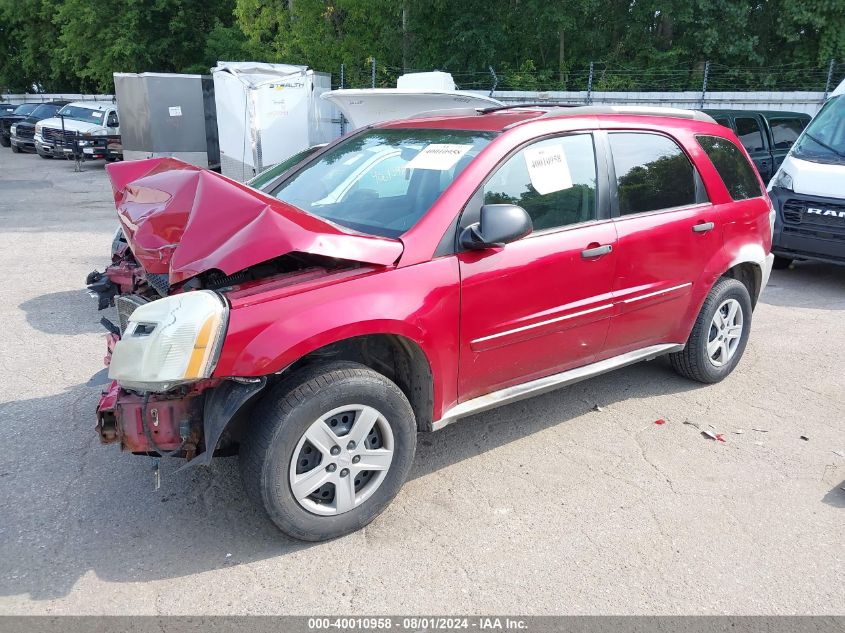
[300,458]
[781,263]
[716,343]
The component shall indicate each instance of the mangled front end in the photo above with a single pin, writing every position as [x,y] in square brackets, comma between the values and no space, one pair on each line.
[189,238]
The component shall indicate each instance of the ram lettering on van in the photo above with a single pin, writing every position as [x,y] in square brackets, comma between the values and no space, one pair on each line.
[817,211]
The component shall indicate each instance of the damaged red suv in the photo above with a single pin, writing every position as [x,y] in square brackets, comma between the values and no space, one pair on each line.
[412,274]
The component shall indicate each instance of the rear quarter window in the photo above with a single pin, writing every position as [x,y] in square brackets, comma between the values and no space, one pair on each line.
[733,167]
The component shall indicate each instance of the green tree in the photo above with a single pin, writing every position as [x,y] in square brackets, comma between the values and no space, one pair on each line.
[97,39]
[323,34]
[28,44]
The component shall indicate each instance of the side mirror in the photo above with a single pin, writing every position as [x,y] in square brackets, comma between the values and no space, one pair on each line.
[500,224]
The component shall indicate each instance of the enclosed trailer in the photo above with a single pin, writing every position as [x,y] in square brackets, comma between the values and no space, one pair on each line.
[266,113]
[164,114]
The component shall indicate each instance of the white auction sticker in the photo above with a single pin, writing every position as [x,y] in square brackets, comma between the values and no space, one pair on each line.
[548,169]
[96,115]
[438,156]
[175,110]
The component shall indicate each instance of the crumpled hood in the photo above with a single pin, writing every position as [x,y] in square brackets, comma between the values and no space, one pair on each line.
[183,220]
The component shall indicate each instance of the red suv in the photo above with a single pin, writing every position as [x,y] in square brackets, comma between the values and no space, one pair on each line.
[414,273]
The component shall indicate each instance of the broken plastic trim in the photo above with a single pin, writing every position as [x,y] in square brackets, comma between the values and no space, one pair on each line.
[221,405]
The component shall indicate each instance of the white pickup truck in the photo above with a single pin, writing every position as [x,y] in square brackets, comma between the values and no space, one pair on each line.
[95,122]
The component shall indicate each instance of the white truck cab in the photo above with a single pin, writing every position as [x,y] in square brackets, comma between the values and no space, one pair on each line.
[92,120]
[808,190]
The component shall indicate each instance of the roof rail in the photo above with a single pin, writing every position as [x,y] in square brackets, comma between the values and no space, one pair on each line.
[676,113]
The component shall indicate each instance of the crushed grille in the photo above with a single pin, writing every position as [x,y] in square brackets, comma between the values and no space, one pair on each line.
[126,305]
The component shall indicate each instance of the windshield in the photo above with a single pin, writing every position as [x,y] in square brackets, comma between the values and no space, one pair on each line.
[44,111]
[25,109]
[78,113]
[824,139]
[277,170]
[383,181]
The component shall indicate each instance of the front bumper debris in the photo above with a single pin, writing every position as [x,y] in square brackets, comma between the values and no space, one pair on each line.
[191,423]
[174,423]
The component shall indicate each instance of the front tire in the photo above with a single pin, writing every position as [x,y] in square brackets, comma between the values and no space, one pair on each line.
[719,336]
[328,450]
[16,149]
[5,142]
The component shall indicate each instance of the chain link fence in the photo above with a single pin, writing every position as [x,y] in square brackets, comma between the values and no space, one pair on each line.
[46,98]
[602,77]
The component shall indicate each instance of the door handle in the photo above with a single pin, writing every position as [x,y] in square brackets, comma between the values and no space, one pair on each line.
[703,227]
[597,251]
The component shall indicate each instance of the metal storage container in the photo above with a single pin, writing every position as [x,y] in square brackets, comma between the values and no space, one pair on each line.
[164,114]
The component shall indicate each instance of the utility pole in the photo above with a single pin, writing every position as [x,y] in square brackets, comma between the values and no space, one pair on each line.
[405,43]
[704,83]
[829,79]
[561,55]
[495,81]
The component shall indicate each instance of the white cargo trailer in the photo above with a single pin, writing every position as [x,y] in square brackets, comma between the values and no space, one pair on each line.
[268,112]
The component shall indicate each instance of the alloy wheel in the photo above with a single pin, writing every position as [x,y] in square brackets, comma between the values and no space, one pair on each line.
[725,332]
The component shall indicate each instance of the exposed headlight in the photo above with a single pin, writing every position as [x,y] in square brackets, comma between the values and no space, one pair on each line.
[38,127]
[783,180]
[13,130]
[170,342]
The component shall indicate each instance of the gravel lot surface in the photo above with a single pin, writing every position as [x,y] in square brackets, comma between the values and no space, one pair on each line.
[546,506]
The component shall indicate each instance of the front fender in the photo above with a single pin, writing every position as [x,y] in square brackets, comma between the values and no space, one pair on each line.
[420,303]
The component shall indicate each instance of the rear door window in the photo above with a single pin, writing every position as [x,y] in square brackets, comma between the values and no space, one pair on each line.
[733,167]
[652,173]
[749,133]
[786,131]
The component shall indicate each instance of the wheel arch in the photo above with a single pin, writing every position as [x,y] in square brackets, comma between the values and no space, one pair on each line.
[396,356]
[750,274]
[741,261]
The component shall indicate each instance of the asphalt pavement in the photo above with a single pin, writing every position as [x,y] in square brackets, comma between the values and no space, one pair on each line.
[548,506]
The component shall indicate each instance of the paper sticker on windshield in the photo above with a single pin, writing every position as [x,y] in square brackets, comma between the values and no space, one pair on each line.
[96,115]
[175,110]
[438,156]
[547,169]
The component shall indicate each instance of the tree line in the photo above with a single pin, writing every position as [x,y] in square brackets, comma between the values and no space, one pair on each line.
[76,45]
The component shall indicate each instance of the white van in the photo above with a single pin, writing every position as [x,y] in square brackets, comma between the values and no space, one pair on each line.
[808,190]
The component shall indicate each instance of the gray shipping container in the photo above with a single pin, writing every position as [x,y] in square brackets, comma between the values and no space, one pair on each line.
[164,114]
